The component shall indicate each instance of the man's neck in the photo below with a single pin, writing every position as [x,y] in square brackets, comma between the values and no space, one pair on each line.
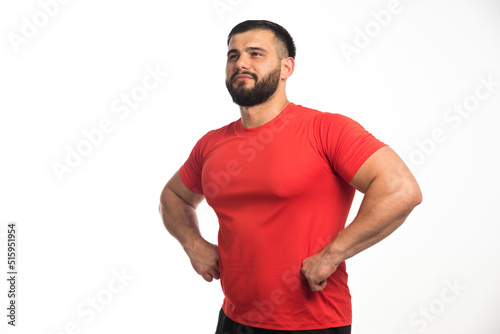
[252,117]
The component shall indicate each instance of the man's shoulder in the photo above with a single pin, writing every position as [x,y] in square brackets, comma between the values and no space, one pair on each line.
[219,133]
[322,116]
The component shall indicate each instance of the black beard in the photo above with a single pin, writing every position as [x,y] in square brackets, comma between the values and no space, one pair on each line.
[261,91]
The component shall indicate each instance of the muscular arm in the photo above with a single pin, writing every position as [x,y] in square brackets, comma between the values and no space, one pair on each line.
[390,194]
[178,211]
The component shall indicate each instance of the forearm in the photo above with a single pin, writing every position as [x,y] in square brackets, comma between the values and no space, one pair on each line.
[385,206]
[180,219]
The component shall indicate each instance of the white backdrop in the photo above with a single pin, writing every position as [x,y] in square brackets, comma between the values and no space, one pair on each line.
[102,101]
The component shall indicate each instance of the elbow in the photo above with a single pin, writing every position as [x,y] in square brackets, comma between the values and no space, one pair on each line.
[412,194]
[164,208]
[418,196]
[163,204]
[161,207]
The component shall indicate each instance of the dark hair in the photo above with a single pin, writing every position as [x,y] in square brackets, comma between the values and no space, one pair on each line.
[280,33]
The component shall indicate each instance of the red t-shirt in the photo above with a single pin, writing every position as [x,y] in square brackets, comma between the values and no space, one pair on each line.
[281,193]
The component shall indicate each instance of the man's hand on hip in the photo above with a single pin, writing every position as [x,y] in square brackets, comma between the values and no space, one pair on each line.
[317,269]
[204,258]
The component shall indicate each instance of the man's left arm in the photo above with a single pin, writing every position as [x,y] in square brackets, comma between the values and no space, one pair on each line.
[390,194]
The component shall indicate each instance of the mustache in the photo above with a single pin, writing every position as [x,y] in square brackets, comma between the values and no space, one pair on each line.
[254,76]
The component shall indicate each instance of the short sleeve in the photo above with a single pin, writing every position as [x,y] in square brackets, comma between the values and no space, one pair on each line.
[344,143]
[190,171]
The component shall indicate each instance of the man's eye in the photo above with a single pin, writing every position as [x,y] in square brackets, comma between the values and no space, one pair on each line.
[256,54]
[231,57]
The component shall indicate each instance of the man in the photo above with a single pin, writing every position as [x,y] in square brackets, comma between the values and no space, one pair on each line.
[281,180]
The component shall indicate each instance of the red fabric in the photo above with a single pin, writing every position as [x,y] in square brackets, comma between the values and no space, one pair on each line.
[281,192]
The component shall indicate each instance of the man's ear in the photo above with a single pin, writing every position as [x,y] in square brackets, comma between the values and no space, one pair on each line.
[287,67]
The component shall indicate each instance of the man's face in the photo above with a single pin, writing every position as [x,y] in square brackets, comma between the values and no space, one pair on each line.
[253,71]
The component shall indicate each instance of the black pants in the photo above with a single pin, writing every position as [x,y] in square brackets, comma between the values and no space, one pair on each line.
[228,326]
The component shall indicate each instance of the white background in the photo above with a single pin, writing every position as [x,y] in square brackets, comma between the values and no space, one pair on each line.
[77,233]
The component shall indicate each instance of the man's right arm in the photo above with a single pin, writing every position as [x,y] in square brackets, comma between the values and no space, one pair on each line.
[178,211]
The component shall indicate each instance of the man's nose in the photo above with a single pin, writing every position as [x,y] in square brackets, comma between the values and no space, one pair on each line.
[242,63]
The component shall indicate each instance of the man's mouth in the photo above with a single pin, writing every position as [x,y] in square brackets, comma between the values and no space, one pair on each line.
[242,77]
